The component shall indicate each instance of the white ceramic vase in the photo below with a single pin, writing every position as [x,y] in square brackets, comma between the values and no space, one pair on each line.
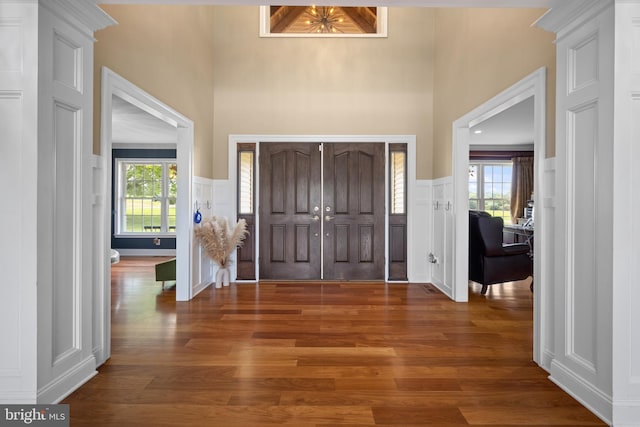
[222,277]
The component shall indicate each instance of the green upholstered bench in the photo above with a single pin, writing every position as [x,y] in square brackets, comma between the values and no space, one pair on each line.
[166,270]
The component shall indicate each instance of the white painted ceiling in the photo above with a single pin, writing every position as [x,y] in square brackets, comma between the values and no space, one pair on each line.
[513,126]
[132,125]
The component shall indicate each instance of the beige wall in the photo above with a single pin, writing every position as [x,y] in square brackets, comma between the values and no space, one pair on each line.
[321,85]
[479,53]
[166,51]
[209,63]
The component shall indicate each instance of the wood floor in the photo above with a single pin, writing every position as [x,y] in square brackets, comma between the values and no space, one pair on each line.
[333,354]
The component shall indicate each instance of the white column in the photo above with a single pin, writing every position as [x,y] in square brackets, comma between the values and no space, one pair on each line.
[597,341]
[65,197]
[18,192]
[626,227]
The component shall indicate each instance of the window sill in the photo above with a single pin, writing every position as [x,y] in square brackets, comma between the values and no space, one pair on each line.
[144,235]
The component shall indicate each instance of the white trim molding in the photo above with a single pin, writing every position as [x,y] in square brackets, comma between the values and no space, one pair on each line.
[113,84]
[416,246]
[532,85]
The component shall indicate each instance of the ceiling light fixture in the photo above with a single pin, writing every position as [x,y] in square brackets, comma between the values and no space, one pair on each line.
[324,19]
[477,132]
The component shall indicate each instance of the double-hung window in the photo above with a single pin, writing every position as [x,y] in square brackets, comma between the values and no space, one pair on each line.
[490,187]
[146,197]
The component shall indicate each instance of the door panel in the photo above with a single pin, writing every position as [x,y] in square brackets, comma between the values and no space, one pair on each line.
[353,211]
[352,227]
[290,189]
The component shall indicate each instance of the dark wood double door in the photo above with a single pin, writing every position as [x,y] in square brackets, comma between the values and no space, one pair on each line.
[322,211]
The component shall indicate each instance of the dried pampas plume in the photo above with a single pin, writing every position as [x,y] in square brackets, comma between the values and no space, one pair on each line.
[219,240]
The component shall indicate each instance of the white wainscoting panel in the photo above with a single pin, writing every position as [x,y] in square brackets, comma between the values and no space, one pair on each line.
[18,186]
[626,227]
[583,221]
[419,268]
[101,305]
[66,220]
[67,62]
[65,197]
[11,169]
[548,254]
[11,43]
[583,289]
[202,265]
[442,232]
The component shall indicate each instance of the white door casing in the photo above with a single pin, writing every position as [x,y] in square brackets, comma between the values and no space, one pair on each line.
[113,84]
[416,246]
[532,85]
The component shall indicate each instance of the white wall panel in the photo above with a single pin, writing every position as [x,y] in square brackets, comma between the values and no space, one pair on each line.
[633,236]
[18,187]
[67,62]
[41,127]
[583,63]
[419,269]
[202,265]
[65,194]
[582,250]
[549,260]
[11,45]
[101,303]
[583,289]
[10,168]
[626,229]
[442,232]
[66,280]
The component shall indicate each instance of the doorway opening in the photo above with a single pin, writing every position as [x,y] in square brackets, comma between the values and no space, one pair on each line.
[534,86]
[116,87]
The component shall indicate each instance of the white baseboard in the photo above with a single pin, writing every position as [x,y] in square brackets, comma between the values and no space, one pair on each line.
[442,288]
[68,382]
[583,391]
[147,252]
[199,288]
[547,358]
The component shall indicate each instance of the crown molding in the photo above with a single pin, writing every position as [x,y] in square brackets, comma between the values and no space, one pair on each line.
[564,16]
[85,15]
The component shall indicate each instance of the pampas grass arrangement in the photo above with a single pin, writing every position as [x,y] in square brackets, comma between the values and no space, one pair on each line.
[219,239]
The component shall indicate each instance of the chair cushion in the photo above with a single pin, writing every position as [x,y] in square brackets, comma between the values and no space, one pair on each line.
[515,248]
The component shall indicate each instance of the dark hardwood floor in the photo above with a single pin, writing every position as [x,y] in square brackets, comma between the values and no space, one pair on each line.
[311,354]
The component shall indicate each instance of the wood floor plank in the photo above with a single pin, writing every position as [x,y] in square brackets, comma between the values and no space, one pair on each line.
[357,354]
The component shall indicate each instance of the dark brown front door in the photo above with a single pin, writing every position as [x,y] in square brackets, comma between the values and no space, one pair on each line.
[353,212]
[336,216]
[290,238]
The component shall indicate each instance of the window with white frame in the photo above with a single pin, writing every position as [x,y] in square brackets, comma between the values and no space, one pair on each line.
[146,196]
[398,182]
[490,188]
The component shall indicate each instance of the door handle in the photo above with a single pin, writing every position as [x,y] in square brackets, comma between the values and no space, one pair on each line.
[329,218]
[315,217]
